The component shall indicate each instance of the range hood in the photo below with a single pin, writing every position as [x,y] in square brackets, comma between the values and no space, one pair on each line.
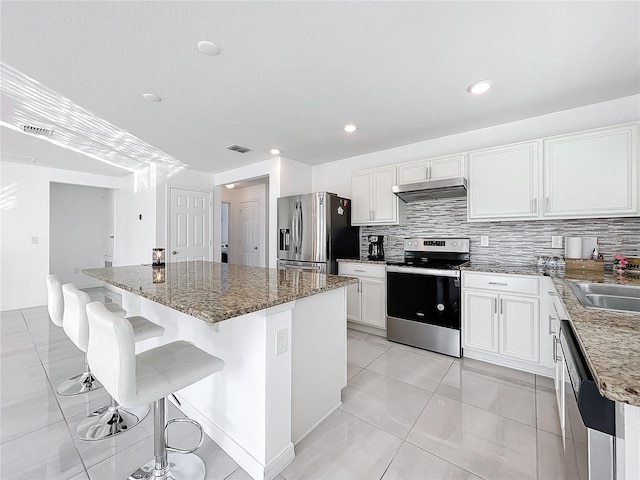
[432,190]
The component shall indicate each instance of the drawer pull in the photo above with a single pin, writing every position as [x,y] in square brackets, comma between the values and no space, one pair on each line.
[356,270]
[502,284]
[551,332]
[553,294]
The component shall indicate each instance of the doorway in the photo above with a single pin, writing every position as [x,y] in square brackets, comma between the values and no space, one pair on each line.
[81,231]
[248,221]
[225,208]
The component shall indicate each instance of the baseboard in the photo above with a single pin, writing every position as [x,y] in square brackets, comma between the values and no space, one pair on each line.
[515,364]
[381,332]
[306,434]
[244,459]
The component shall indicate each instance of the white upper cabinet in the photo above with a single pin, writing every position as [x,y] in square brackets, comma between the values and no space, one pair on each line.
[373,201]
[592,173]
[587,174]
[433,169]
[504,182]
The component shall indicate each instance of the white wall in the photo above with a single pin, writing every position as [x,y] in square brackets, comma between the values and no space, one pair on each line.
[78,218]
[336,176]
[24,213]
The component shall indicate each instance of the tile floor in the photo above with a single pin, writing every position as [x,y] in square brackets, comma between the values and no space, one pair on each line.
[406,414]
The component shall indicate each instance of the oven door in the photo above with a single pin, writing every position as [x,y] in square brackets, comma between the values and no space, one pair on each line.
[424,296]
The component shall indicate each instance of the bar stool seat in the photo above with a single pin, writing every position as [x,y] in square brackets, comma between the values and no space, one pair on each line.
[110,420]
[149,376]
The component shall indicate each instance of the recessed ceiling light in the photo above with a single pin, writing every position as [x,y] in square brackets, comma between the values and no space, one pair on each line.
[230,185]
[480,87]
[209,48]
[350,128]
[150,97]
[274,151]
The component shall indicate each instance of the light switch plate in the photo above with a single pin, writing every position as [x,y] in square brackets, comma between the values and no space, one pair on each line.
[556,241]
[484,240]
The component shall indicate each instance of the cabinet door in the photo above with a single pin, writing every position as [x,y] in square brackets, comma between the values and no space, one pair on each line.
[592,173]
[480,321]
[413,172]
[520,327]
[353,302]
[504,182]
[384,201]
[374,304]
[446,167]
[361,198]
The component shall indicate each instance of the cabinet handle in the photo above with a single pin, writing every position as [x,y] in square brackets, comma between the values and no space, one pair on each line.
[553,294]
[555,349]
[428,173]
[535,205]
[502,284]
[550,321]
[495,305]
[500,306]
[356,270]
[546,205]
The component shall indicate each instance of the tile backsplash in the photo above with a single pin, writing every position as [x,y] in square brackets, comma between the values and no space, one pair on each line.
[513,242]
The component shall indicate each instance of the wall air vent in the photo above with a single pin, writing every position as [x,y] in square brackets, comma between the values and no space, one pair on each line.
[238,148]
[45,132]
[12,157]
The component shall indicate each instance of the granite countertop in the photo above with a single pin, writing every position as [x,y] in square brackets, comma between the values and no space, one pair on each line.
[362,260]
[609,339]
[214,291]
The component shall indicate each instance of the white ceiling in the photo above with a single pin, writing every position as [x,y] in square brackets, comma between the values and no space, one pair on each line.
[291,74]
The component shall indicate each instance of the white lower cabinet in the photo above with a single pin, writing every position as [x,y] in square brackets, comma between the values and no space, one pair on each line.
[501,320]
[367,299]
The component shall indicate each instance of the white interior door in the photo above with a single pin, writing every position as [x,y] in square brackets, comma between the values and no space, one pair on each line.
[189,235]
[249,223]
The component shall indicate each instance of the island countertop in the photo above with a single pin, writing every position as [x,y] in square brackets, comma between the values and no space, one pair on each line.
[214,291]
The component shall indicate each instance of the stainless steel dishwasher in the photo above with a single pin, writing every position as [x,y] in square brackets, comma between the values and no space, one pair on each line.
[596,413]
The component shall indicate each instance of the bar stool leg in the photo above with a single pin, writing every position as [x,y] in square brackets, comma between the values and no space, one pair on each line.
[170,466]
[83,383]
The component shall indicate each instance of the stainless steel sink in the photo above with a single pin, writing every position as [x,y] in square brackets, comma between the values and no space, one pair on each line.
[610,297]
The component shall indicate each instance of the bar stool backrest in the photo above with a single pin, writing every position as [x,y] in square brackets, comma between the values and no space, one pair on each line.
[75,322]
[55,303]
[111,352]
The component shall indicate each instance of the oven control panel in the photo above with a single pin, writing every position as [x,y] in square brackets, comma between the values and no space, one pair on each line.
[457,245]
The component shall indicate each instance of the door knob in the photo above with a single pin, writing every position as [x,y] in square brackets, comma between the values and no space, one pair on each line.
[173,252]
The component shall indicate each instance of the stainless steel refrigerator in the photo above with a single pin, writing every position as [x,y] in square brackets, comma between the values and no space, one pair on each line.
[314,230]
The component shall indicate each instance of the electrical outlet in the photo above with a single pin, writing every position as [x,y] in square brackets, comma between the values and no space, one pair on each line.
[34,240]
[556,241]
[282,341]
[484,240]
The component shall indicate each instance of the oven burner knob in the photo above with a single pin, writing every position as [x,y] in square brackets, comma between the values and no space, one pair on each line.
[440,307]
[415,243]
[454,244]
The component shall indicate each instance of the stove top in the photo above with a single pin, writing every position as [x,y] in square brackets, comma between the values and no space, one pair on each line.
[434,253]
[430,263]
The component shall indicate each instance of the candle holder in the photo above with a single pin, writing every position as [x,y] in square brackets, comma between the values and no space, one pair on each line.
[158,257]
[158,274]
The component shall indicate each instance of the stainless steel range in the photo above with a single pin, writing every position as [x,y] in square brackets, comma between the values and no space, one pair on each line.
[423,294]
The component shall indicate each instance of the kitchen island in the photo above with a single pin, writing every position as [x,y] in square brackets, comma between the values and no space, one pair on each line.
[282,335]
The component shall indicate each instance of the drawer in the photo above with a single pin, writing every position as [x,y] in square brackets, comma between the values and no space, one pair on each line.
[362,270]
[529,285]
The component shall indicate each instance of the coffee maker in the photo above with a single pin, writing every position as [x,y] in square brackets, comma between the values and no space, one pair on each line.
[376,250]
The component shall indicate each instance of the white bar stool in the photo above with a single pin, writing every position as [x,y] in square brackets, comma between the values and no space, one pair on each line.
[149,376]
[112,419]
[85,381]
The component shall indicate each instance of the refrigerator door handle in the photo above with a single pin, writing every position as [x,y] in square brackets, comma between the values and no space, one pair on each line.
[300,227]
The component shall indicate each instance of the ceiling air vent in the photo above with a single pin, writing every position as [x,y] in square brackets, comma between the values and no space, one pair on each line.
[45,132]
[238,148]
[12,157]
